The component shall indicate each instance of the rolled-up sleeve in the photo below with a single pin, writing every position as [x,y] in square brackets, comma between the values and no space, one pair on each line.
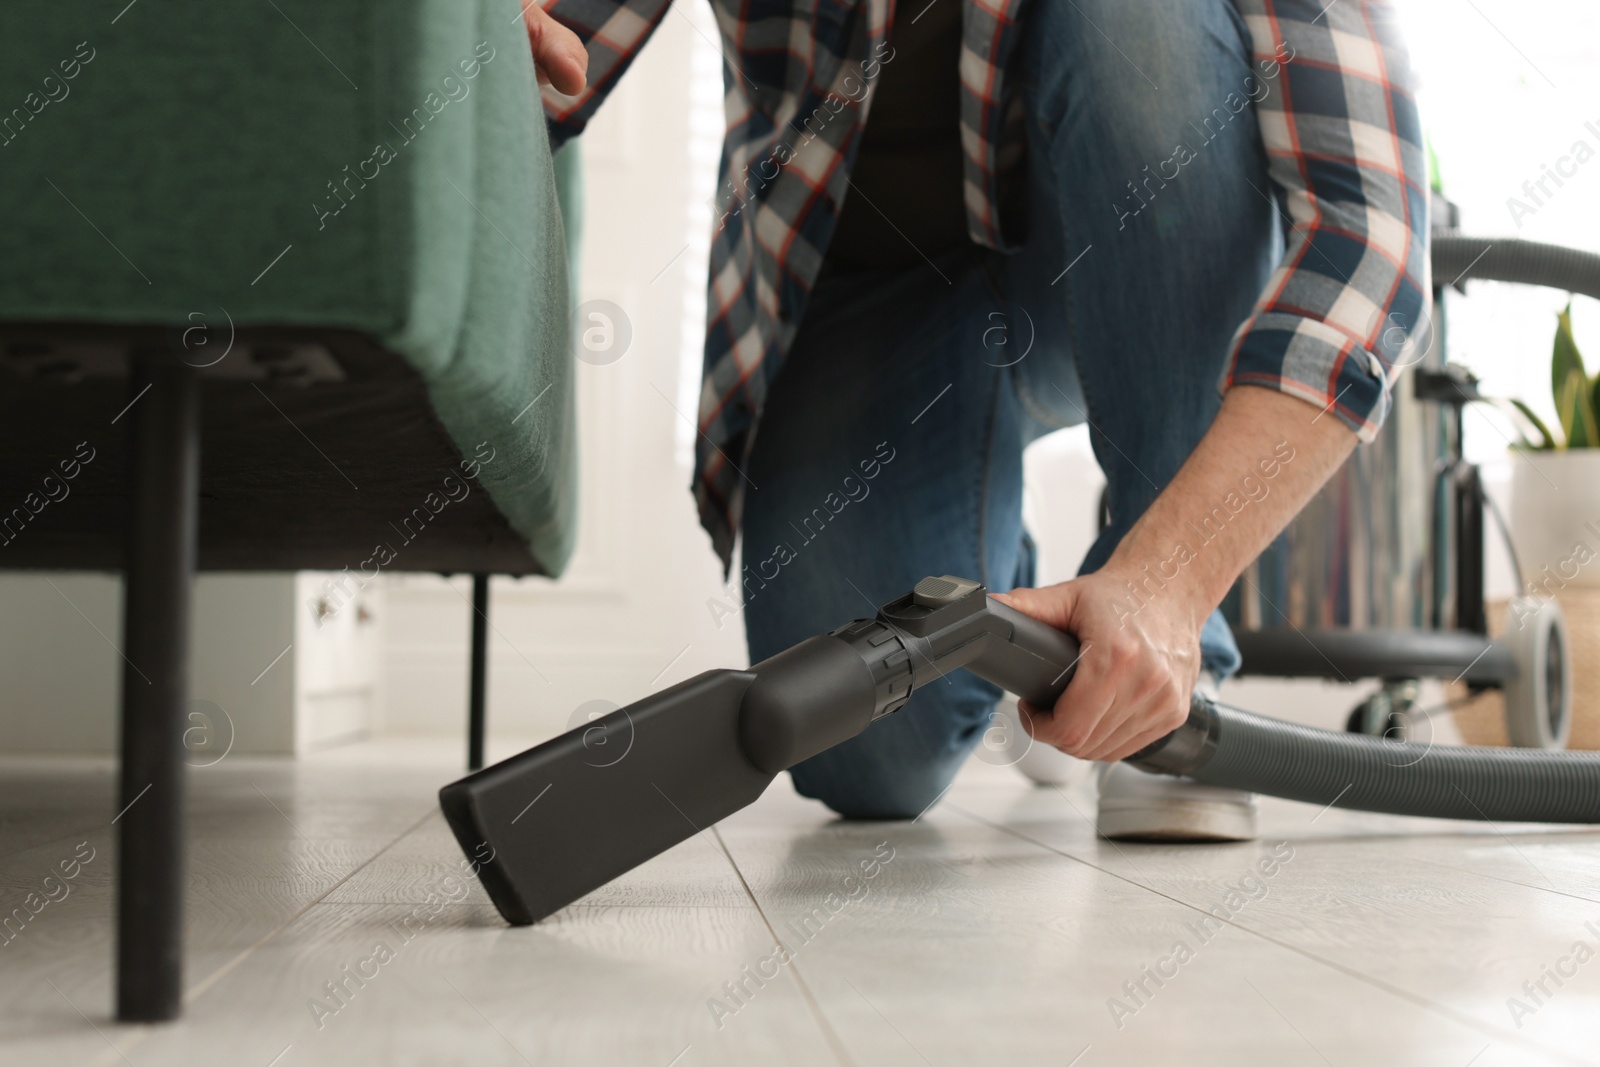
[1347,307]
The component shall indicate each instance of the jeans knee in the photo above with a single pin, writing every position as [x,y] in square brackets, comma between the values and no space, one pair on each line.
[1141,69]
[902,764]
[889,793]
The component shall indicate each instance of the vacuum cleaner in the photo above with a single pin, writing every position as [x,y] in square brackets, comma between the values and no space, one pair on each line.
[564,818]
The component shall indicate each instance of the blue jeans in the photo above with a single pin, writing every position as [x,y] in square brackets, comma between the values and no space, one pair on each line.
[891,443]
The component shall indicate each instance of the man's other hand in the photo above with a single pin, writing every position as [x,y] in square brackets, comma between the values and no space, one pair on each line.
[558,55]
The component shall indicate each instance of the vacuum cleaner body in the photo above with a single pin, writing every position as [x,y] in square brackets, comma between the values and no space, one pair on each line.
[568,816]
[1381,575]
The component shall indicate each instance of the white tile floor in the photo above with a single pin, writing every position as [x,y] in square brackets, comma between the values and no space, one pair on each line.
[996,930]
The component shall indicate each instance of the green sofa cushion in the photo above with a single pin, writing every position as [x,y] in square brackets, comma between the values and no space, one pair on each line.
[381,167]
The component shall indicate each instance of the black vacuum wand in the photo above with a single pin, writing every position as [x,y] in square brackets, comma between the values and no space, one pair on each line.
[566,817]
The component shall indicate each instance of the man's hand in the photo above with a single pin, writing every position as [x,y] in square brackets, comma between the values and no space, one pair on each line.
[1138,618]
[558,55]
[1135,669]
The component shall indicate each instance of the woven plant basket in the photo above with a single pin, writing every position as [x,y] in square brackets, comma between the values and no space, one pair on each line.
[1483,722]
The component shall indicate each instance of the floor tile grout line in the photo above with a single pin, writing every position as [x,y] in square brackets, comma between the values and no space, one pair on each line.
[1444,1010]
[828,1033]
[204,986]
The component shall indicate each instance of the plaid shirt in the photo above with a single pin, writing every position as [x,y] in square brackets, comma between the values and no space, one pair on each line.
[1344,151]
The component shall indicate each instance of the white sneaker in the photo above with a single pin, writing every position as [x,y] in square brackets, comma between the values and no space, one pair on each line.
[1138,806]
[1040,763]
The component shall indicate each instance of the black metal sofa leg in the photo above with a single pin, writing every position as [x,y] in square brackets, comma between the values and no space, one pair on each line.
[476,696]
[164,494]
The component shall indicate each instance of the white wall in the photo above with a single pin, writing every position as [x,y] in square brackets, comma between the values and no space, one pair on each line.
[1507,88]
[61,671]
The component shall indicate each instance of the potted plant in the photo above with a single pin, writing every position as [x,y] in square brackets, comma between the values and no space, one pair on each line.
[1555,484]
[1555,521]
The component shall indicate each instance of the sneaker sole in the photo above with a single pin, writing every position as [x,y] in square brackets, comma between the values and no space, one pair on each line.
[1194,820]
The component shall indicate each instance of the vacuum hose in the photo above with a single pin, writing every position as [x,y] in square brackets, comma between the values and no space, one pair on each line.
[951,622]
[1501,259]
[1220,745]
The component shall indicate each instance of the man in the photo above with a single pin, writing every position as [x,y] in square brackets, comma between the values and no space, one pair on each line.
[957,225]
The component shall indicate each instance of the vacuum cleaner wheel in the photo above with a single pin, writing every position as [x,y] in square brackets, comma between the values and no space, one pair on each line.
[1539,698]
[1389,712]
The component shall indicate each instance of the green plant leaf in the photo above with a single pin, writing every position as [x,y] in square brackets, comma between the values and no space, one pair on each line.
[1547,439]
[1576,407]
[1564,357]
[1594,396]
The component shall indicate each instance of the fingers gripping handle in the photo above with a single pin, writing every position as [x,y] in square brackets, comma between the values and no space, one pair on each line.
[966,628]
[948,622]
[1027,657]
